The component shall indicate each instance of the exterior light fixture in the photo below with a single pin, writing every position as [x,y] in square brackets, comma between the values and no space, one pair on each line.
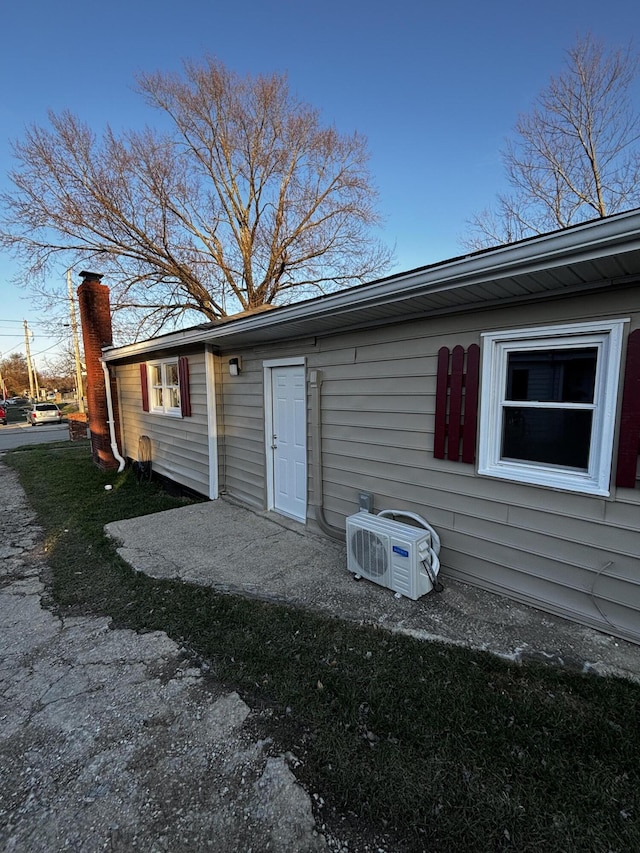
[234,367]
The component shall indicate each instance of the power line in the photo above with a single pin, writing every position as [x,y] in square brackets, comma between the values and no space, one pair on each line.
[57,344]
[19,347]
[20,322]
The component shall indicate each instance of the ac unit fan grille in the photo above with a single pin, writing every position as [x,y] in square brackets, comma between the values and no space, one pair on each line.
[370,552]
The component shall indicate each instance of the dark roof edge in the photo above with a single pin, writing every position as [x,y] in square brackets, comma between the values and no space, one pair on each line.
[588,240]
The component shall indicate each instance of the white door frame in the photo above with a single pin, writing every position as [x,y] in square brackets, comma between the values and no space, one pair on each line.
[267,366]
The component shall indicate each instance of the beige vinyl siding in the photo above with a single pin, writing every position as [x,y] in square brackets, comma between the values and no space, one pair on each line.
[243,431]
[244,421]
[571,554]
[180,446]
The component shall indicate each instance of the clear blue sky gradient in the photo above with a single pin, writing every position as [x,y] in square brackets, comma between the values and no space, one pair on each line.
[435,88]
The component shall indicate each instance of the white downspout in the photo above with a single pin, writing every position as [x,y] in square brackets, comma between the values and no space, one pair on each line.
[112,427]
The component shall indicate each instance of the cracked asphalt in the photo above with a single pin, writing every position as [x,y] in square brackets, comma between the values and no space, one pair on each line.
[111,740]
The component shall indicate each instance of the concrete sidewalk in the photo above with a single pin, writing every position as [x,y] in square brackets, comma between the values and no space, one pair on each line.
[235,550]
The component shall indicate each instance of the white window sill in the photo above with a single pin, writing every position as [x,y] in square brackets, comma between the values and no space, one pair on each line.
[546,478]
[166,414]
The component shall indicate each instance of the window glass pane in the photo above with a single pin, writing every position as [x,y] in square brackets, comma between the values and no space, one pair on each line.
[561,376]
[157,397]
[156,374]
[551,436]
[172,374]
[174,398]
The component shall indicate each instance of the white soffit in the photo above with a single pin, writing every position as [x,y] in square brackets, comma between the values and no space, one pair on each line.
[593,254]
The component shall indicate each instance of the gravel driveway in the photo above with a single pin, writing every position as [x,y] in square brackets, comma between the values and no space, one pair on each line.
[111,740]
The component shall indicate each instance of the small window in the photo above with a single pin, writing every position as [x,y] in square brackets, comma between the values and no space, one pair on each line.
[548,405]
[164,387]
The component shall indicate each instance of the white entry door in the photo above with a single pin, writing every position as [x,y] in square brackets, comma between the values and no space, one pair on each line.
[287,441]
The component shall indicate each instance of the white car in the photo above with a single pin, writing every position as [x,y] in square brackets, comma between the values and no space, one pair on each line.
[43,413]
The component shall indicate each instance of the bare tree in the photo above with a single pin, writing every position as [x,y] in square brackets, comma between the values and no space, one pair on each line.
[247,200]
[575,156]
[59,372]
[15,373]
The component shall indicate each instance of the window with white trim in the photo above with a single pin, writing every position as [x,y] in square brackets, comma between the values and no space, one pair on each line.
[164,387]
[548,405]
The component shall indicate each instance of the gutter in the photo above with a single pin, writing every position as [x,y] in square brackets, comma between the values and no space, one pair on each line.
[110,421]
[587,241]
[315,384]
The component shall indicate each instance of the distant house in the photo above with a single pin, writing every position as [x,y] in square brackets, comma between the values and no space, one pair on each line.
[497,395]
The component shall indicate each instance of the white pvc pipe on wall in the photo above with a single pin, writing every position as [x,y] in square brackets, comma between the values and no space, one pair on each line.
[110,421]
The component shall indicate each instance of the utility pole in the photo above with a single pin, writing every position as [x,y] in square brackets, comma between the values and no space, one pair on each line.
[35,378]
[76,345]
[28,352]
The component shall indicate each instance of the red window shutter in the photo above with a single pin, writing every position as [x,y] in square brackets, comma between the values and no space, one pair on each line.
[471,385]
[629,439]
[183,378]
[442,385]
[457,404]
[144,386]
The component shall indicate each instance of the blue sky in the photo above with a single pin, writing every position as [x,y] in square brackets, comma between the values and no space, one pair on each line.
[435,88]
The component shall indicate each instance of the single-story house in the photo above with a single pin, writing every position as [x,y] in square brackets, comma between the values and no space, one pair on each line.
[496,394]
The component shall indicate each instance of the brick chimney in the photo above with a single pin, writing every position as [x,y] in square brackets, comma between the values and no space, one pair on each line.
[95,318]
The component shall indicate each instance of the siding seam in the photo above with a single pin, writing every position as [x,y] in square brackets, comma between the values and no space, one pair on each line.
[581,567]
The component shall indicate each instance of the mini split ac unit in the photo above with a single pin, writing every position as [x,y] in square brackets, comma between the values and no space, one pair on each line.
[398,556]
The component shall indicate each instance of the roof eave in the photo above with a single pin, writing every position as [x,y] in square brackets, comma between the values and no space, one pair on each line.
[597,238]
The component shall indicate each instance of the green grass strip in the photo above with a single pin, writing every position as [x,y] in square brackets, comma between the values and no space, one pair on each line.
[441,748]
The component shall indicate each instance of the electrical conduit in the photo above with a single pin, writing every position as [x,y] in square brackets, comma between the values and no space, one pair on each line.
[315,385]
